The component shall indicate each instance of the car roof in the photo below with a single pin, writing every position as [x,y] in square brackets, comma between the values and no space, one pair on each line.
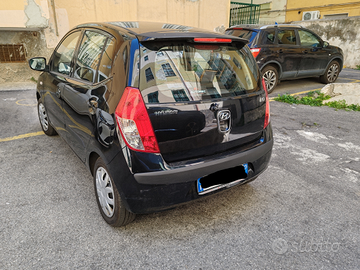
[260,27]
[154,30]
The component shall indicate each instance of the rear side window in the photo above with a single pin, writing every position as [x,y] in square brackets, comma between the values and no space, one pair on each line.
[287,37]
[188,72]
[92,64]
[268,37]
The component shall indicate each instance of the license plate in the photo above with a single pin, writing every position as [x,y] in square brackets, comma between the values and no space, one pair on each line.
[201,190]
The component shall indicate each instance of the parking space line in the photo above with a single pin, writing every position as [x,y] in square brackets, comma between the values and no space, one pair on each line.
[25,102]
[27,135]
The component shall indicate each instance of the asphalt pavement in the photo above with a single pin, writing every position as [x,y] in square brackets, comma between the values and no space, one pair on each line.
[302,213]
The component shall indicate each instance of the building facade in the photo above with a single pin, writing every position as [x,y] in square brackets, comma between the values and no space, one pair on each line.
[31,28]
[319,9]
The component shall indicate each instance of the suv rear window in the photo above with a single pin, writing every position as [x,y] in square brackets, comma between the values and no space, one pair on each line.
[243,33]
[194,72]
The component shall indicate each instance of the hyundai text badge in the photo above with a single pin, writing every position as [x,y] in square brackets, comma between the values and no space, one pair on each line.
[224,121]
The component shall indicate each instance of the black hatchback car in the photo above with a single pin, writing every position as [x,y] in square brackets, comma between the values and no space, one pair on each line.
[160,114]
[286,52]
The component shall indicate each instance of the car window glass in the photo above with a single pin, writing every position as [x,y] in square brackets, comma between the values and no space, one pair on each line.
[287,37]
[308,39]
[61,61]
[243,33]
[187,72]
[89,56]
[269,36]
[106,60]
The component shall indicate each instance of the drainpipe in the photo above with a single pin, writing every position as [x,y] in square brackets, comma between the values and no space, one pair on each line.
[52,2]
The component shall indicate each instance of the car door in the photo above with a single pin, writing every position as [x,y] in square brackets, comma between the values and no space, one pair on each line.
[314,57]
[288,50]
[84,93]
[60,69]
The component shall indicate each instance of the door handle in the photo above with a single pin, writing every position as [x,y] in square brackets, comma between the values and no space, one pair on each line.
[306,51]
[280,51]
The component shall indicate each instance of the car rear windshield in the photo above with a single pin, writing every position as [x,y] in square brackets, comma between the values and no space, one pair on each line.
[243,33]
[194,72]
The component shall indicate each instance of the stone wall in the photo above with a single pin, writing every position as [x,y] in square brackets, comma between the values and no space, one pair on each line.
[344,33]
[35,45]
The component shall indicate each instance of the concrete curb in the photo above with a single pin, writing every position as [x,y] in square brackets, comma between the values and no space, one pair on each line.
[350,92]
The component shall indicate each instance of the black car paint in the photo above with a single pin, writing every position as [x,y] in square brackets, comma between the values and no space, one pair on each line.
[292,61]
[76,110]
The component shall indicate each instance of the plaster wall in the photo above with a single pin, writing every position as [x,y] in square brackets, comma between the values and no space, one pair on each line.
[40,24]
[35,45]
[24,15]
[296,8]
[344,33]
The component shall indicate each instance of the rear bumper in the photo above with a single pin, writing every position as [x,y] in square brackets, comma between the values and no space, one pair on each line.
[161,190]
[193,172]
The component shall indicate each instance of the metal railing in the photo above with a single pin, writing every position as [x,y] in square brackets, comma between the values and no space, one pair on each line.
[242,13]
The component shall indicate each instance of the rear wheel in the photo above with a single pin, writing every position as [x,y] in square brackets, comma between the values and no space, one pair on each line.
[331,73]
[44,120]
[271,77]
[108,198]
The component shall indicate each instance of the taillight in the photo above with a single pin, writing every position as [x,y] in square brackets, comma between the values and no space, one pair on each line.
[267,110]
[134,122]
[213,40]
[255,51]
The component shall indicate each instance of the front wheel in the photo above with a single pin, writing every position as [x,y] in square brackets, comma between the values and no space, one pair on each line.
[44,120]
[271,77]
[331,73]
[108,198]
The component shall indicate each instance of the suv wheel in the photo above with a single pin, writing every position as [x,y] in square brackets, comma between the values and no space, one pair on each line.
[271,77]
[108,198]
[44,120]
[331,73]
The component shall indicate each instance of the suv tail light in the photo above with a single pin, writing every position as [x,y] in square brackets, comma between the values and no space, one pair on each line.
[134,122]
[267,110]
[255,51]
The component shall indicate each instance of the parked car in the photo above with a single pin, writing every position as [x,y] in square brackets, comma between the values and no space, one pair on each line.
[160,114]
[286,52]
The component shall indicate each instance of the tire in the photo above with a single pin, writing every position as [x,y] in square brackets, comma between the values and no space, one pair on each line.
[44,120]
[108,198]
[271,77]
[331,74]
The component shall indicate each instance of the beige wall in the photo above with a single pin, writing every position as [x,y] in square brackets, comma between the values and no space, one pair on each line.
[207,14]
[20,14]
[295,8]
[39,24]
[58,16]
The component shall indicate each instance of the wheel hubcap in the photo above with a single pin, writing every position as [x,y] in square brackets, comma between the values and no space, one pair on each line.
[105,192]
[332,73]
[270,79]
[43,117]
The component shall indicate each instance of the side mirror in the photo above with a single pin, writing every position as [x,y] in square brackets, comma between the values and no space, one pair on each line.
[38,63]
[326,44]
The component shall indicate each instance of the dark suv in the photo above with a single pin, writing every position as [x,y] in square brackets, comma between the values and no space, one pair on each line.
[290,52]
[161,114]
